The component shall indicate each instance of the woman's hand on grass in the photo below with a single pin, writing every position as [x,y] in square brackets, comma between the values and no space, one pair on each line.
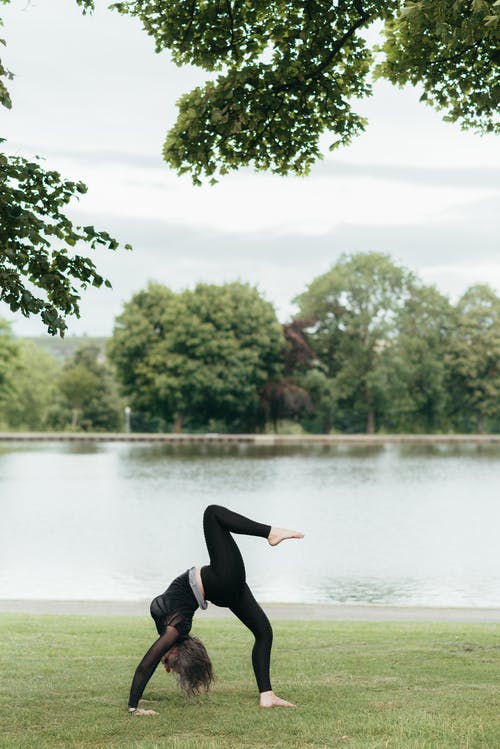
[269,699]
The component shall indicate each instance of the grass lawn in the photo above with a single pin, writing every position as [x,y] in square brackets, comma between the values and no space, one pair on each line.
[64,682]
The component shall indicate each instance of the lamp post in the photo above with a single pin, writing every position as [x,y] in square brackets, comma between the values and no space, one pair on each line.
[127,411]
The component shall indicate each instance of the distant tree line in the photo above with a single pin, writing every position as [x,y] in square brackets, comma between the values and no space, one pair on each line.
[372,349]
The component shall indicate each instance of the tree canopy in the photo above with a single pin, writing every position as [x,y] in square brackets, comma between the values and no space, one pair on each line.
[41,273]
[395,354]
[284,72]
[28,379]
[29,387]
[39,269]
[354,310]
[87,394]
[418,362]
[451,49]
[8,359]
[201,358]
[474,357]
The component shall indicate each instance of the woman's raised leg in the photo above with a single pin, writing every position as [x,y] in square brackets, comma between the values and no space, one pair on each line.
[223,579]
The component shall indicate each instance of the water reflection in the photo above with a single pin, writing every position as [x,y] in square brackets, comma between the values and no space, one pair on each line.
[392,524]
[248,450]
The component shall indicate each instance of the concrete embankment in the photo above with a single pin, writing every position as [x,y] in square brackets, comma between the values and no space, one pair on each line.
[255,439]
[275,611]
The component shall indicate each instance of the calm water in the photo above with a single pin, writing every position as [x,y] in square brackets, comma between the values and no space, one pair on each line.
[393,524]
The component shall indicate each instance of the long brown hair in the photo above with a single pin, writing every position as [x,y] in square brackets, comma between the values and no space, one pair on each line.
[193,668]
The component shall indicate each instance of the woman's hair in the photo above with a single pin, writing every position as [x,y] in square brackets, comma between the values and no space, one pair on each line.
[193,668]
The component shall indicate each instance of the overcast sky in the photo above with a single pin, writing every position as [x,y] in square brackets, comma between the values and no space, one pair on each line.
[94,99]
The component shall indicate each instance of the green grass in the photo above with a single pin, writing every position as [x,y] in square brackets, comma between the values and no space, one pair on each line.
[64,683]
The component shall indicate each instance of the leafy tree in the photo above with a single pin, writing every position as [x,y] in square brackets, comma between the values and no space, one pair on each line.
[289,71]
[136,335]
[451,49]
[283,400]
[417,362]
[355,307]
[324,401]
[286,398]
[137,331]
[39,268]
[203,359]
[298,356]
[8,356]
[474,359]
[87,394]
[32,378]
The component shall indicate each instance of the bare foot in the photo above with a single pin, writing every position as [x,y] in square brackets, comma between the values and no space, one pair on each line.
[142,711]
[269,699]
[280,534]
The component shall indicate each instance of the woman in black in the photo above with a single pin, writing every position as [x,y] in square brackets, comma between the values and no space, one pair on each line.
[222,582]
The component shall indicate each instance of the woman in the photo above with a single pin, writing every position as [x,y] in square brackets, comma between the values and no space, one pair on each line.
[223,583]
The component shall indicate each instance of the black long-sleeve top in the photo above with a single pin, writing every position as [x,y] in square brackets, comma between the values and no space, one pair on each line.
[177,605]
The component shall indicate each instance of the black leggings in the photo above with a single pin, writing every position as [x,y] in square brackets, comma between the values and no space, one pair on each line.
[225,585]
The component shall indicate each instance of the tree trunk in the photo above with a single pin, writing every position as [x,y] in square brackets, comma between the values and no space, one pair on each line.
[74,418]
[370,422]
[178,422]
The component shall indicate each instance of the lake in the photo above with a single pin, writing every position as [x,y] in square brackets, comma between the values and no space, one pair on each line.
[389,524]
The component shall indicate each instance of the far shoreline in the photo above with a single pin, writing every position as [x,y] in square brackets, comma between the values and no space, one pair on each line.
[253,439]
[276,611]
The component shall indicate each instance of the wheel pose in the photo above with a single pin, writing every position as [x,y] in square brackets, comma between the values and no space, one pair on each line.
[223,583]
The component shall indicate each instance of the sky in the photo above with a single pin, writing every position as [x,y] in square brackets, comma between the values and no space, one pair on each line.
[93,98]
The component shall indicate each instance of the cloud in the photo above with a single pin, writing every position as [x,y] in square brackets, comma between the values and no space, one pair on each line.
[481,177]
[449,238]
[94,156]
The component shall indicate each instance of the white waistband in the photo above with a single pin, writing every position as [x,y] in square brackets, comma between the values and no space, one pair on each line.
[196,589]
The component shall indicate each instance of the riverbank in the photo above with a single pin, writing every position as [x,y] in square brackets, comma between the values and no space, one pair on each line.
[275,611]
[255,439]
